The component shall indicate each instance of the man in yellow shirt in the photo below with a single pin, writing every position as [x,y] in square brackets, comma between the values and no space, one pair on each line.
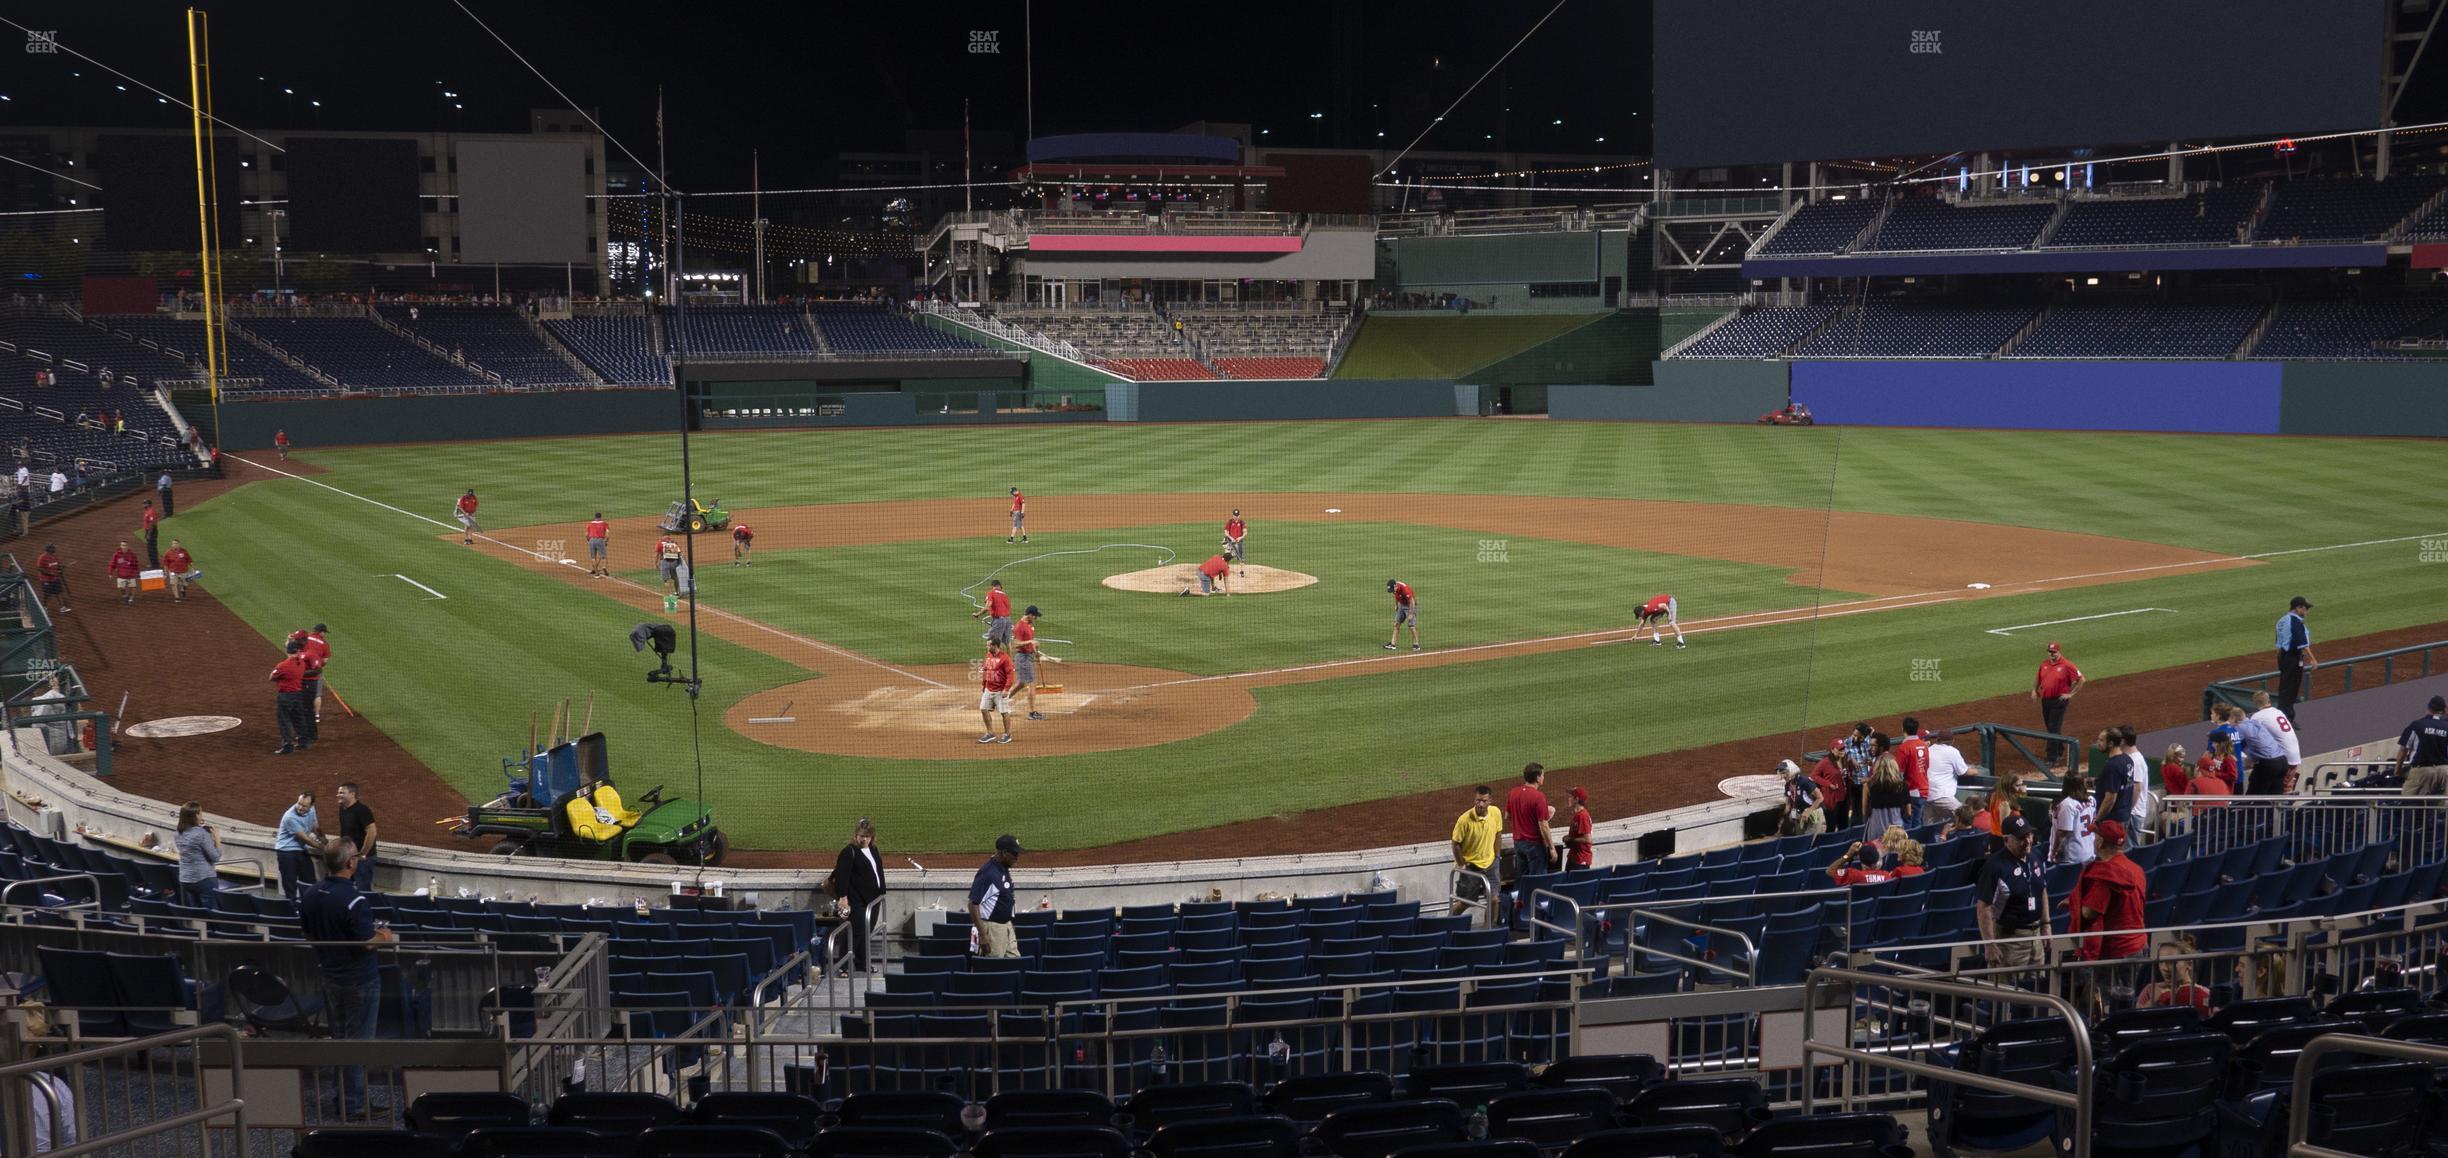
[595,812]
[1474,847]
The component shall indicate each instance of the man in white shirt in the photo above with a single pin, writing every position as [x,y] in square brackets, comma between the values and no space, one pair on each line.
[2141,769]
[1946,770]
[2273,748]
[25,478]
[59,482]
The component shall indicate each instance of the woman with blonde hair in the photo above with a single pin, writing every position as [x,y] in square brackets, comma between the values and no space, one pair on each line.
[1888,799]
[2172,983]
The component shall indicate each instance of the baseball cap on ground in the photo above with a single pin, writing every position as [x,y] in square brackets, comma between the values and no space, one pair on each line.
[2016,824]
[2112,831]
[1009,843]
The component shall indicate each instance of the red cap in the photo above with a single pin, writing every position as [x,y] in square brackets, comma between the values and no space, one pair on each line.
[2112,831]
[298,634]
[1580,794]
[2052,649]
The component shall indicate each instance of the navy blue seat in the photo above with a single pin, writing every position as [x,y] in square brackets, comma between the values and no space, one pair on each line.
[2378,1108]
[1244,1136]
[2155,1096]
[1378,1129]
[617,1114]
[451,1114]
[1619,1074]
[2267,1061]
[1065,1107]
[2025,1050]
[1469,1083]
[371,1144]
[1827,1136]
[1650,1142]
[2126,1026]
[692,1141]
[2242,1020]
[1551,1118]
[882,1142]
[1052,1142]
[1152,1108]
[1310,1097]
[794,1117]
[543,1142]
[1731,1106]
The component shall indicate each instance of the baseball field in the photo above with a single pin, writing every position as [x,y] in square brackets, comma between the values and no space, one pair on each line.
[1822,575]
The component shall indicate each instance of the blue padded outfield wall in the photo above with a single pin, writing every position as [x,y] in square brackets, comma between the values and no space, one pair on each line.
[2211,397]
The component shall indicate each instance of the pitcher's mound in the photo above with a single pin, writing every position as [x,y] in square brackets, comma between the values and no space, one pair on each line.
[1170,580]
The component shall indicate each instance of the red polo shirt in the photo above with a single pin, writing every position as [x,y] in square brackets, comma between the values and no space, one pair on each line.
[742,533]
[317,650]
[598,529]
[1402,595]
[1019,501]
[2056,678]
[997,673]
[1234,528]
[1656,605]
[1215,567]
[176,559]
[1579,856]
[48,567]
[467,504]
[123,565]
[1024,636]
[289,675]
[151,517]
[998,605]
[1527,806]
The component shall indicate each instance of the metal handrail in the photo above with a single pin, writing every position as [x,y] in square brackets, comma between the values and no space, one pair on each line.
[93,883]
[233,1106]
[1750,950]
[2242,686]
[2078,1099]
[1492,902]
[2307,1063]
[2333,920]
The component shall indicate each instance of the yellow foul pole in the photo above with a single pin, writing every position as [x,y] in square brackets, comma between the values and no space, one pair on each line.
[208,267]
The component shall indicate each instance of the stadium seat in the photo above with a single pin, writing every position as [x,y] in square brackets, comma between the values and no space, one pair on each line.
[371,1144]
[1310,1097]
[1052,1142]
[1827,1136]
[2373,1108]
[613,1113]
[2028,1051]
[2155,1096]
[544,1142]
[711,1142]
[1154,1107]
[1731,1106]
[1551,1118]
[1378,1129]
[1690,1141]
[882,1142]
[795,1117]
[1242,1136]
[453,1115]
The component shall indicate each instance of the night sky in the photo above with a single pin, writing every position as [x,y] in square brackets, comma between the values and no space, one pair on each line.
[803,81]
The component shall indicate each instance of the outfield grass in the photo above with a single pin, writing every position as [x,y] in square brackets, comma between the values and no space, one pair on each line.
[454,679]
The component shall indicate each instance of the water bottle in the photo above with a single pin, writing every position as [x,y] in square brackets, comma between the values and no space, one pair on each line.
[1156,1062]
[543,974]
[1478,1128]
[973,1118]
[642,910]
[1279,1050]
[1045,902]
[433,887]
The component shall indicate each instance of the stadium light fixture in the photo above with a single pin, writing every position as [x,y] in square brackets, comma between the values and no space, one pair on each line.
[1317,116]
[288,92]
[5,96]
[1557,121]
